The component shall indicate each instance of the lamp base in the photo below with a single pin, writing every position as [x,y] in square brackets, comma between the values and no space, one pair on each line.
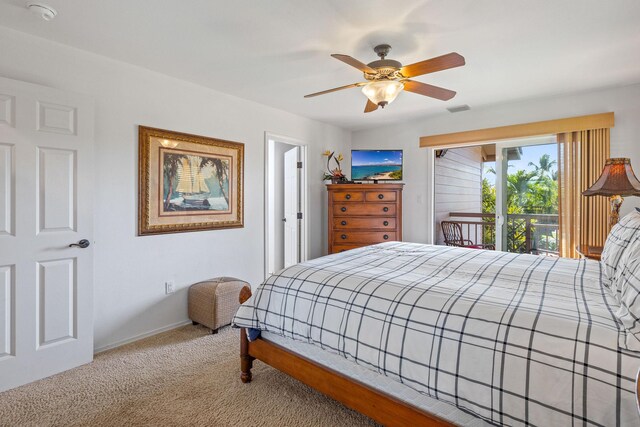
[614,216]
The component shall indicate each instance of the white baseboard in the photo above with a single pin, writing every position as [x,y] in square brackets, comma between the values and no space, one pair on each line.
[140,336]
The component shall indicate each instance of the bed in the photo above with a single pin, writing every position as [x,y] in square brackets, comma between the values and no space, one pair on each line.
[413,334]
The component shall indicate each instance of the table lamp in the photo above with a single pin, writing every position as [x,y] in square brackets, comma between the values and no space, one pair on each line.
[616,181]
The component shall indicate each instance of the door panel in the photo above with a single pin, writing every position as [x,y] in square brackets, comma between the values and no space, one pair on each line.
[46,194]
[291,208]
[7,172]
[527,197]
[56,118]
[56,190]
[7,325]
[7,110]
[56,303]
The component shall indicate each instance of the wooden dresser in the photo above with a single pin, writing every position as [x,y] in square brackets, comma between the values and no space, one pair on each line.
[364,214]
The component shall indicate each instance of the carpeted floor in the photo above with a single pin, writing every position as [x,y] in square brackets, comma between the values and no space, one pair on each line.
[182,377]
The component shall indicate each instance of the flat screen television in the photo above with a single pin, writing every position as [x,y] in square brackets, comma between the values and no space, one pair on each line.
[376,165]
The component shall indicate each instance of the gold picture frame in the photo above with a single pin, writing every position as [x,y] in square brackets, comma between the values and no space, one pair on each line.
[188,182]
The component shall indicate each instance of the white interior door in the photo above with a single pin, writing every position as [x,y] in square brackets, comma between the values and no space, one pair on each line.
[46,195]
[291,208]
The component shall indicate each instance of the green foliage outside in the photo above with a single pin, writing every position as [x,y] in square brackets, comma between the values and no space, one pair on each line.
[528,192]
[396,174]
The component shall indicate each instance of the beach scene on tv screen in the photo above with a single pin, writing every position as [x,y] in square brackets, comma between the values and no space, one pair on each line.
[376,165]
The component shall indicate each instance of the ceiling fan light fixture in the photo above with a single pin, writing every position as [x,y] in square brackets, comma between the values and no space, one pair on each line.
[382,92]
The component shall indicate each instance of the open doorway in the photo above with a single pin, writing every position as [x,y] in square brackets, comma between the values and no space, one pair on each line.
[285,203]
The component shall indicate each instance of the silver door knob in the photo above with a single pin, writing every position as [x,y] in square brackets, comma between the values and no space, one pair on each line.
[84,243]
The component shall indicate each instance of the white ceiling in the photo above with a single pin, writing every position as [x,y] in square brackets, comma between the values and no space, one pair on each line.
[276,51]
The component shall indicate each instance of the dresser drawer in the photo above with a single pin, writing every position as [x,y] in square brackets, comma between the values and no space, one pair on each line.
[379,209]
[380,196]
[346,236]
[342,248]
[348,196]
[381,223]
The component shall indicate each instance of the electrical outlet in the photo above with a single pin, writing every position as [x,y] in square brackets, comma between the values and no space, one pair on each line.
[168,288]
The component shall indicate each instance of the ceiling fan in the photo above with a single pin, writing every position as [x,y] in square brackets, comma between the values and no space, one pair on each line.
[386,78]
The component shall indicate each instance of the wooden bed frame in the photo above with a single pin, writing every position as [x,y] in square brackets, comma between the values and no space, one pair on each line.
[358,396]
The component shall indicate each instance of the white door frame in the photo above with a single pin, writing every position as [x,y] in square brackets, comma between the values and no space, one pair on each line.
[269,219]
[500,145]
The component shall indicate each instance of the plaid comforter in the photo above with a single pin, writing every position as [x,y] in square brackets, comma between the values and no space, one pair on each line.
[514,339]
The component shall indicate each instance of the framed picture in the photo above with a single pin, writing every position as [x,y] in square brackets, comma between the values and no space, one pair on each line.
[188,182]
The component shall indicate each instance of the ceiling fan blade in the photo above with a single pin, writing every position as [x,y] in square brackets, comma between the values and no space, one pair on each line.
[335,89]
[428,90]
[370,107]
[354,63]
[444,62]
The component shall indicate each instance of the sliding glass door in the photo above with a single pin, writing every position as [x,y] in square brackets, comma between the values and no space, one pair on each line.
[498,195]
[526,196]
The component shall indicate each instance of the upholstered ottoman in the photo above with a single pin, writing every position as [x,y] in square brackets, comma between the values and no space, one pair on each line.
[214,302]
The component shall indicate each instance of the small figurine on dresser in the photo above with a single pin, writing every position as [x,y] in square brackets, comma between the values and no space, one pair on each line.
[335,175]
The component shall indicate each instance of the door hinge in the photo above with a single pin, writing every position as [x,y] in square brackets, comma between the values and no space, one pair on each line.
[299,215]
[299,165]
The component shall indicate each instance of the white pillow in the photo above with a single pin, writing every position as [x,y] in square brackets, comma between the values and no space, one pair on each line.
[629,311]
[630,253]
[623,238]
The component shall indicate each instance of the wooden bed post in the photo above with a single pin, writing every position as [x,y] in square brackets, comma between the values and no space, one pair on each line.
[246,361]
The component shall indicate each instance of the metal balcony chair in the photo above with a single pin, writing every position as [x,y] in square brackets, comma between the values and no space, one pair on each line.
[453,237]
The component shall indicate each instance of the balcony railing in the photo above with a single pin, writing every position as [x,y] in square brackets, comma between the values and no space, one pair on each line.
[526,233]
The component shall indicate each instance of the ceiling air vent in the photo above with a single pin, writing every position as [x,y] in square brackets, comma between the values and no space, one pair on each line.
[459,108]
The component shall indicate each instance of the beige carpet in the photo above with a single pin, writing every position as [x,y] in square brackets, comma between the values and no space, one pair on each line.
[182,377]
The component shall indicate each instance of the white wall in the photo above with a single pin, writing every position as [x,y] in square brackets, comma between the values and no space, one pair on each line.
[458,186]
[625,139]
[130,271]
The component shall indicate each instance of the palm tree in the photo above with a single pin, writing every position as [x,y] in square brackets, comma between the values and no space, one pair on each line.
[518,185]
[171,163]
[222,169]
[543,168]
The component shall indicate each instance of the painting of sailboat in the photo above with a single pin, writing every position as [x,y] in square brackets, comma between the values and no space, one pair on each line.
[188,182]
[195,182]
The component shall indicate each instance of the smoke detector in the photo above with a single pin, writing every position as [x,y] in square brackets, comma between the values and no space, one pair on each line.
[44,10]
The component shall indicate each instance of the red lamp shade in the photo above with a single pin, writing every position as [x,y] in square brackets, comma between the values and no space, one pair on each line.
[617,179]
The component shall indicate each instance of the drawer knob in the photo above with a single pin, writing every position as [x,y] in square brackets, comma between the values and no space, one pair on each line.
[380,196]
[348,196]
[386,237]
[384,223]
[386,209]
[343,237]
[344,223]
[343,209]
